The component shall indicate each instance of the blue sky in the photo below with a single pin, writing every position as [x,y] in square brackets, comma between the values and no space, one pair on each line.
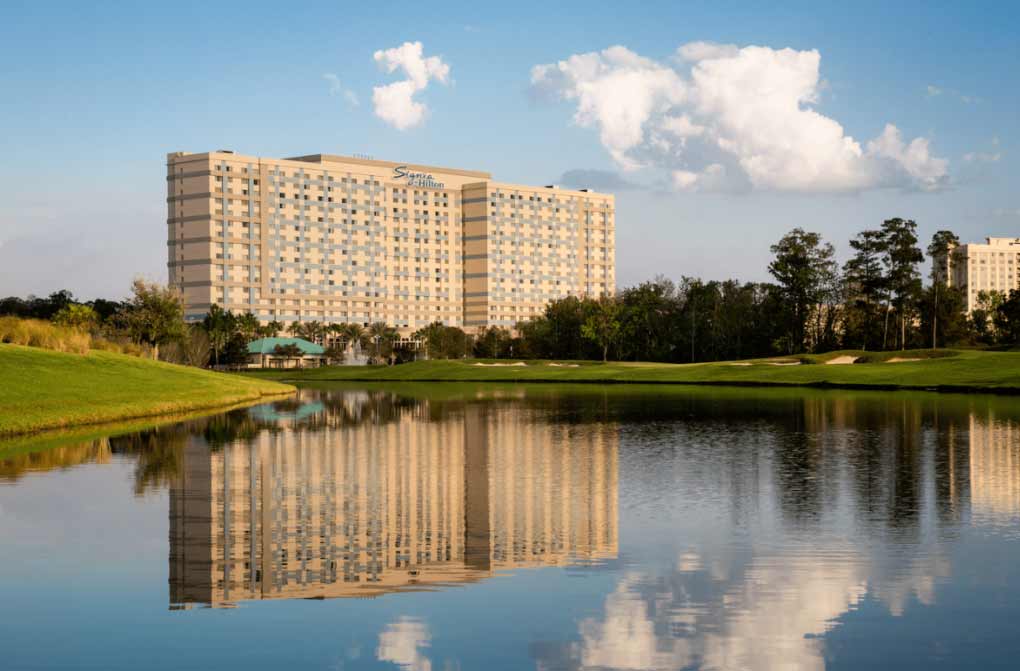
[94,97]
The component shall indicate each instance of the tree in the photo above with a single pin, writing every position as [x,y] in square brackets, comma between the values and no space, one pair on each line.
[314,331]
[77,316]
[602,325]
[649,321]
[1007,319]
[271,330]
[443,342]
[492,342]
[288,351]
[335,353]
[803,266]
[154,315]
[195,346]
[383,337]
[944,314]
[248,326]
[236,350]
[982,316]
[220,325]
[865,286]
[354,334]
[941,252]
[901,258]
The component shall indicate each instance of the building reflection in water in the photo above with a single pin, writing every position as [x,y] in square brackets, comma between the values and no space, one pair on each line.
[410,501]
[776,516]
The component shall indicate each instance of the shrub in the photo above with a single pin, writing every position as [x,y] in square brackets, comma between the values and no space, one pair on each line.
[43,334]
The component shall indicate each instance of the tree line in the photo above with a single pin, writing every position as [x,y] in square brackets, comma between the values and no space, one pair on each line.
[876,300]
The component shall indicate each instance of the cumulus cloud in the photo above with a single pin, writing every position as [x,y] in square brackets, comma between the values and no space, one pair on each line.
[336,88]
[402,642]
[394,103]
[725,117]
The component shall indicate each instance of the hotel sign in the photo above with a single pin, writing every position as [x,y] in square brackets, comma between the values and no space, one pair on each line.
[419,179]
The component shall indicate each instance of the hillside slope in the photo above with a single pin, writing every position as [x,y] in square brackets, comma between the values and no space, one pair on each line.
[43,389]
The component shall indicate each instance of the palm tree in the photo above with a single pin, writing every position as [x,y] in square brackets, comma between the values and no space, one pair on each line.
[313,330]
[381,332]
[272,329]
[248,325]
[297,329]
[354,334]
[333,331]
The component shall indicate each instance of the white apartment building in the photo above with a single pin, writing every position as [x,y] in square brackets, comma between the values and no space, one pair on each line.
[992,266]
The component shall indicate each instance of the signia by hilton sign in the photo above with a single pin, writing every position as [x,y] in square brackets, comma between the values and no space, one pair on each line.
[420,179]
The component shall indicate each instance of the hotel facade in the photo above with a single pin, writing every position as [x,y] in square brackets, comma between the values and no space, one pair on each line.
[338,239]
[976,267]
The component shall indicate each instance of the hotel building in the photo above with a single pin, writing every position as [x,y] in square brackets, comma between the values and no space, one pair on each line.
[338,239]
[975,267]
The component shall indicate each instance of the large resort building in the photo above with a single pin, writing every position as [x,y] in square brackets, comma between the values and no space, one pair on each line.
[976,268]
[336,239]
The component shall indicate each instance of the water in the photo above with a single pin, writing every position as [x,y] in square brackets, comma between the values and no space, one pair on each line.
[457,527]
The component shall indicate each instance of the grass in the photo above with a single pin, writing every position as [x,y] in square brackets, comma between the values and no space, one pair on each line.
[941,370]
[44,389]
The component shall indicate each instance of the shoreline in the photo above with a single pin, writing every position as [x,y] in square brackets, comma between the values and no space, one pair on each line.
[171,412]
[45,390]
[944,389]
[952,372]
[17,443]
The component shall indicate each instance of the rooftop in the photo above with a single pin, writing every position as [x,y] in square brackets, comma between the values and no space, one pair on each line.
[267,345]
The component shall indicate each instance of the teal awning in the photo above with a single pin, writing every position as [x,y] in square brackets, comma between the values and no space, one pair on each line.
[267,345]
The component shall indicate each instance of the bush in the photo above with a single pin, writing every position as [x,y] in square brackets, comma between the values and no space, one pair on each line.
[47,335]
[42,334]
[122,346]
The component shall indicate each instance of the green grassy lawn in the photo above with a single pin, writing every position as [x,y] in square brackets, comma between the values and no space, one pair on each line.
[942,370]
[42,389]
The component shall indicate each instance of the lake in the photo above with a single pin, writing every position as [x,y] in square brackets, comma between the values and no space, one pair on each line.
[446,527]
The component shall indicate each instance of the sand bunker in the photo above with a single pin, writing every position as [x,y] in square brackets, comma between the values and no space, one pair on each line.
[784,363]
[519,363]
[900,359]
[839,360]
[740,363]
[562,365]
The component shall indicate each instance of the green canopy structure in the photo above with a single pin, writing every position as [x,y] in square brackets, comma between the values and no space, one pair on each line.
[268,345]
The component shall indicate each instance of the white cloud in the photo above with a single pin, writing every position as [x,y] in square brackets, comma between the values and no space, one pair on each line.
[725,117]
[394,103]
[401,643]
[934,91]
[336,88]
[981,157]
[699,51]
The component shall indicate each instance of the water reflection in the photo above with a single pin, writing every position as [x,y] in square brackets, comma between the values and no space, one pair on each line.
[812,516]
[716,528]
[333,505]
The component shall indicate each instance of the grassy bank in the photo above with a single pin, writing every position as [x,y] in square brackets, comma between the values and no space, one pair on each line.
[943,370]
[43,389]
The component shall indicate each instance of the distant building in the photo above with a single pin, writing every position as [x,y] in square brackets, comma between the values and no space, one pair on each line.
[975,267]
[336,239]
